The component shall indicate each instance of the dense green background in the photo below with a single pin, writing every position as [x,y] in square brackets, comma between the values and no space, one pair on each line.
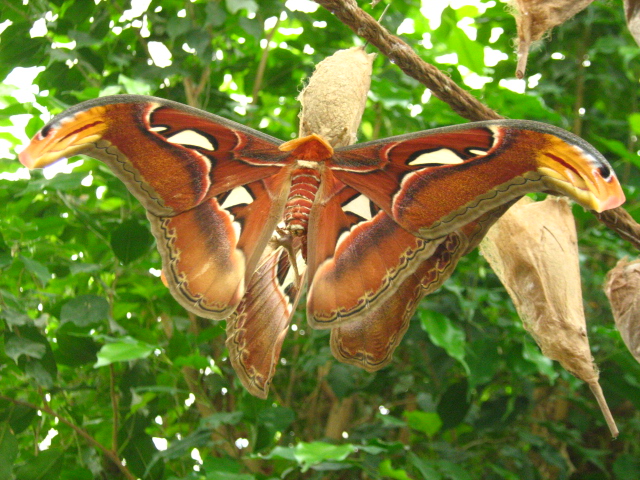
[90,333]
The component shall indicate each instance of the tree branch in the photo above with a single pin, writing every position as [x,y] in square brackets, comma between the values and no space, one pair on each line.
[400,53]
[461,101]
[83,433]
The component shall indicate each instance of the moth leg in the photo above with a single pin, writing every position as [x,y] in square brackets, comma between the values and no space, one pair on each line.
[284,239]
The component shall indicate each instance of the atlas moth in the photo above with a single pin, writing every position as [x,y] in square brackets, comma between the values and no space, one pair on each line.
[245,222]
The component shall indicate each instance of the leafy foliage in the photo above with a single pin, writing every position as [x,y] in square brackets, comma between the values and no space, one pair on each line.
[99,363]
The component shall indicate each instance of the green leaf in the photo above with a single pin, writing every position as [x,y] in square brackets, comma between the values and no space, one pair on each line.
[125,350]
[77,474]
[234,6]
[81,11]
[425,422]
[221,464]
[222,418]
[470,53]
[217,475]
[425,467]
[371,449]
[39,372]
[76,267]
[177,26]
[634,123]
[271,420]
[445,334]
[531,352]
[454,405]
[387,471]
[215,14]
[33,126]
[8,450]
[618,148]
[391,421]
[252,27]
[20,418]
[309,454]
[345,380]
[134,86]
[40,271]
[33,354]
[626,467]
[287,453]
[483,361]
[16,346]
[276,418]
[45,466]
[130,240]
[75,348]
[61,182]
[139,451]
[85,310]
[193,361]
[18,49]
[180,448]
[452,470]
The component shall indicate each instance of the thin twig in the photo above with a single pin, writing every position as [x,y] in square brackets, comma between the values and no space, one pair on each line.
[461,101]
[257,84]
[81,432]
[114,407]
[193,91]
[20,11]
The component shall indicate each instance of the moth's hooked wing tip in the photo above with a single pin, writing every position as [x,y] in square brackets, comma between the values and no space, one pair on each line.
[612,202]
[583,175]
[63,138]
[610,194]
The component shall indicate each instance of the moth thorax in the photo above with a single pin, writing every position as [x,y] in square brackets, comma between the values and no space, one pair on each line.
[304,186]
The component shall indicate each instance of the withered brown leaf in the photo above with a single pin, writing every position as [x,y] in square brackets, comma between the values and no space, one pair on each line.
[623,291]
[534,18]
[533,249]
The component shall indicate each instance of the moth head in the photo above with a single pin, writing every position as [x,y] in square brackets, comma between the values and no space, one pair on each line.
[63,137]
[312,147]
[581,173]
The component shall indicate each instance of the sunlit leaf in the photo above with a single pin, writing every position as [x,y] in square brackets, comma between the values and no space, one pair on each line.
[124,350]
[425,422]
[309,454]
[387,471]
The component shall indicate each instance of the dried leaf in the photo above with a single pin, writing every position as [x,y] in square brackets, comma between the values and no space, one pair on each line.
[535,17]
[632,12]
[623,291]
[533,250]
[334,99]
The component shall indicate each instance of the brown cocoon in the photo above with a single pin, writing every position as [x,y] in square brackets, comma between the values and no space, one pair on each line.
[632,12]
[623,290]
[334,99]
[535,17]
[533,249]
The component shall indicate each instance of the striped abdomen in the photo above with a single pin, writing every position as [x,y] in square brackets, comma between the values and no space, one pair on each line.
[304,187]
